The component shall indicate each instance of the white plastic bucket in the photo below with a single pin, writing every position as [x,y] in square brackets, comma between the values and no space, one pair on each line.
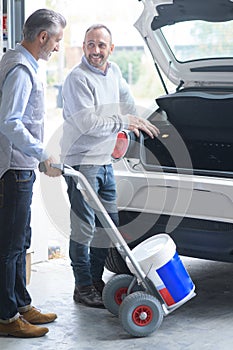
[159,260]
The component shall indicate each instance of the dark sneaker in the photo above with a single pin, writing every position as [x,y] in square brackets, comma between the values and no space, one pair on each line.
[99,286]
[88,296]
[34,316]
[20,328]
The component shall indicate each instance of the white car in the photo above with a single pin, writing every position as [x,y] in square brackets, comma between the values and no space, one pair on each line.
[181,183]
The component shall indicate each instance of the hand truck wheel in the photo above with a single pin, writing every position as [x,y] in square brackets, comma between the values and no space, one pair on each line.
[116,290]
[140,314]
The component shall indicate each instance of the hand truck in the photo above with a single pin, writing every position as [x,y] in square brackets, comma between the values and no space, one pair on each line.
[132,297]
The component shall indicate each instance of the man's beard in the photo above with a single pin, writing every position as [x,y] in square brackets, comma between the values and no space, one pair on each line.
[44,54]
[91,60]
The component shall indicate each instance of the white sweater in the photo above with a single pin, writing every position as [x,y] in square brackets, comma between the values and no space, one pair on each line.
[96,105]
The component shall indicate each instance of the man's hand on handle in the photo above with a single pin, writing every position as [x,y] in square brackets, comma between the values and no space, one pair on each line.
[48,170]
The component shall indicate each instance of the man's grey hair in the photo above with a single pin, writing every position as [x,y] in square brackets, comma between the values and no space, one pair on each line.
[42,20]
[98,26]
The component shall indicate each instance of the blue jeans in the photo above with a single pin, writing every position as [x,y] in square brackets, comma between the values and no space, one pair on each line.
[15,238]
[89,242]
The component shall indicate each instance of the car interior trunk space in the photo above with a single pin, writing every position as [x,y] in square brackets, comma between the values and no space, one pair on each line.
[197,133]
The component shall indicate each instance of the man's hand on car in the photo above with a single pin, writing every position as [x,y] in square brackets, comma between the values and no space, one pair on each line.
[137,123]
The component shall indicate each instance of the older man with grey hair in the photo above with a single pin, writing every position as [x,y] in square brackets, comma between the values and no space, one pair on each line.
[21,148]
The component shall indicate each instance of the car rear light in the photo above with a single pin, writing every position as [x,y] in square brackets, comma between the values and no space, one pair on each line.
[121,146]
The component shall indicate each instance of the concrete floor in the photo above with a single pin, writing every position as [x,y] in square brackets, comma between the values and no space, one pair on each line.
[205,322]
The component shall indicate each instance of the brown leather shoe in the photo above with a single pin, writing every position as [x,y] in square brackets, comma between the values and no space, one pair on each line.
[20,328]
[34,316]
[88,296]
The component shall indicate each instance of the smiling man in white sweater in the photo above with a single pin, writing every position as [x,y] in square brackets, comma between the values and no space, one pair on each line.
[97,105]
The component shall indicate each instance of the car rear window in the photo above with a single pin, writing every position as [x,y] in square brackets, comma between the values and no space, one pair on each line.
[196,40]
